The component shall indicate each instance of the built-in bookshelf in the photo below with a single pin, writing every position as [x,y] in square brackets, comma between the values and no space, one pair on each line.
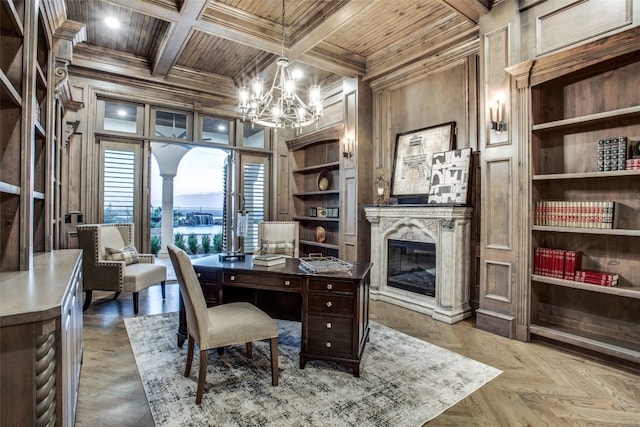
[316,193]
[577,104]
[25,96]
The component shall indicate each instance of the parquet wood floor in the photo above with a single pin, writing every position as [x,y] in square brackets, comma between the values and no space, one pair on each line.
[540,385]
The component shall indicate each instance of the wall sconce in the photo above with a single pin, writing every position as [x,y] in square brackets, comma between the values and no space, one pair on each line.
[381,189]
[347,148]
[497,122]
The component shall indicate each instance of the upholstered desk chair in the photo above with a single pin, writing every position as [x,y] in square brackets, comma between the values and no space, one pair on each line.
[221,325]
[110,262]
[278,237]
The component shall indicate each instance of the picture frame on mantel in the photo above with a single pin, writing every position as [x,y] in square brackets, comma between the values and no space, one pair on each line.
[413,154]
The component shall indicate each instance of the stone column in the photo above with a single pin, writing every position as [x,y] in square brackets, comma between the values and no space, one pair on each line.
[167,214]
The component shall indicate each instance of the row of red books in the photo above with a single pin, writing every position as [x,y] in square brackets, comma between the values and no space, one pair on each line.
[558,263]
[567,264]
[580,214]
[597,277]
[633,164]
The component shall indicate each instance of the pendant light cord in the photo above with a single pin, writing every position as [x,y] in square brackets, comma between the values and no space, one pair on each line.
[283,28]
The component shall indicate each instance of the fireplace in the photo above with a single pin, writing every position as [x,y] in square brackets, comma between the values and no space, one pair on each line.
[430,240]
[412,266]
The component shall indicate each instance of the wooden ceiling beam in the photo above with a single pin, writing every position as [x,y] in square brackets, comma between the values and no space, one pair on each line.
[470,9]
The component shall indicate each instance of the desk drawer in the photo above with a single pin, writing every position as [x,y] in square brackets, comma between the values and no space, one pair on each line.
[207,276]
[329,335]
[331,286]
[233,278]
[330,303]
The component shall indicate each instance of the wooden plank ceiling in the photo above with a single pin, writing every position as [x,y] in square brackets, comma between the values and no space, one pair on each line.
[233,40]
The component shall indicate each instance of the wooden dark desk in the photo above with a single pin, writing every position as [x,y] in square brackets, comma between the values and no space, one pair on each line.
[333,307]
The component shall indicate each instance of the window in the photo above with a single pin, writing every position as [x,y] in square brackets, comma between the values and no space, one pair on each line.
[172,125]
[118,116]
[216,130]
[253,136]
[254,185]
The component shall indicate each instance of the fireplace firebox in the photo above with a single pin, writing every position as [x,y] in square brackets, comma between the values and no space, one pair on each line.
[412,266]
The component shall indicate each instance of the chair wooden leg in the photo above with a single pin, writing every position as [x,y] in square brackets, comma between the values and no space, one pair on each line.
[164,291]
[116,295]
[202,375]
[249,350]
[273,345]
[87,300]
[190,343]
[135,303]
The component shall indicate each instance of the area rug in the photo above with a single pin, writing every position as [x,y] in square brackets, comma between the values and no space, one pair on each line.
[403,381]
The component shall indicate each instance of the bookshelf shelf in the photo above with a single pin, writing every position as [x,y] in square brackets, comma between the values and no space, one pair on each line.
[624,291]
[592,120]
[602,231]
[317,168]
[596,342]
[315,218]
[586,175]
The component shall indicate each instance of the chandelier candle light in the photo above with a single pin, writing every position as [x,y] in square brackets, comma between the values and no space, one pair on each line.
[280,107]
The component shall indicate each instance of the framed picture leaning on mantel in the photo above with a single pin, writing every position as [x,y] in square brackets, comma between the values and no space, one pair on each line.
[411,174]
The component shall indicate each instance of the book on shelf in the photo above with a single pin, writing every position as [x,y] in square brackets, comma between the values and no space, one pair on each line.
[633,164]
[576,214]
[602,278]
[558,263]
[611,154]
[269,260]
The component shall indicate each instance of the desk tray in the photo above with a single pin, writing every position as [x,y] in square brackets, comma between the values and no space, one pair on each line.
[324,264]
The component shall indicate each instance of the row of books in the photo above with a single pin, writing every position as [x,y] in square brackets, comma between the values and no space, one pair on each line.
[633,164]
[559,263]
[567,264]
[612,154]
[580,214]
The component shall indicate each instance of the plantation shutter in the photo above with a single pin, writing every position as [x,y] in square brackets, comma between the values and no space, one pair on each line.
[118,186]
[253,188]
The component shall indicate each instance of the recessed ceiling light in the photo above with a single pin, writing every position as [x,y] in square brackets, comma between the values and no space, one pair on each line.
[221,127]
[112,22]
[122,113]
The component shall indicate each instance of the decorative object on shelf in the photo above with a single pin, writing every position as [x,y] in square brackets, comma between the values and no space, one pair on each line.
[450,176]
[322,212]
[381,191]
[635,149]
[280,107]
[313,212]
[411,177]
[497,122]
[333,213]
[239,231]
[321,234]
[324,180]
[316,263]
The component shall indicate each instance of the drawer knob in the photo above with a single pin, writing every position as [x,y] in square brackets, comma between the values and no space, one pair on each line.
[232,278]
[329,303]
[329,286]
[287,283]
[328,344]
[329,325]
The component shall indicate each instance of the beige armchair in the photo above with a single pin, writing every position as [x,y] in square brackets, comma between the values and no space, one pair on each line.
[278,237]
[110,262]
[221,325]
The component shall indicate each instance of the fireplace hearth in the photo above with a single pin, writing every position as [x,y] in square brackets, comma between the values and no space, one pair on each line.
[432,243]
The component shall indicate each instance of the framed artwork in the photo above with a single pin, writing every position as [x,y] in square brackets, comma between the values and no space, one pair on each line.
[411,175]
[450,176]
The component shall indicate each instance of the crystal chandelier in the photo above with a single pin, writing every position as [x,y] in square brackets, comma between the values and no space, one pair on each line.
[280,107]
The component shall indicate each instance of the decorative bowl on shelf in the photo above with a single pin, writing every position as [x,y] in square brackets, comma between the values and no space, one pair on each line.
[321,234]
[324,180]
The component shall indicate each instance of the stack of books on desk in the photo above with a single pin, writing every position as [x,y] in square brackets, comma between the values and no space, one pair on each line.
[269,260]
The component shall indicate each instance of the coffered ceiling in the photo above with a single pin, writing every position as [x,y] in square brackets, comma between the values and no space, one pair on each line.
[229,41]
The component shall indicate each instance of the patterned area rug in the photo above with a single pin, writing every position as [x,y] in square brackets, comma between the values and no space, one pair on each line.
[403,381]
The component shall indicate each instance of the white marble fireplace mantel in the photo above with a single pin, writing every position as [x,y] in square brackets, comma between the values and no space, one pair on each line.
[449,227]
